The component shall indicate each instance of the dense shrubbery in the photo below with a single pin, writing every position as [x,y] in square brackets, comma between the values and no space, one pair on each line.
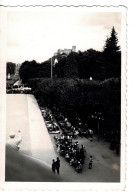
[34,70]
[81,98]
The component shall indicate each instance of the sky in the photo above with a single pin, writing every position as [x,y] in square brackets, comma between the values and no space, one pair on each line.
[36,35]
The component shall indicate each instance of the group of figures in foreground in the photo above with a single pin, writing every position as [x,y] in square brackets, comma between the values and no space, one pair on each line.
[72,152]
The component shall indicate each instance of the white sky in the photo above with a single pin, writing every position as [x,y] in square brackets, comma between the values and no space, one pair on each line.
[35,35]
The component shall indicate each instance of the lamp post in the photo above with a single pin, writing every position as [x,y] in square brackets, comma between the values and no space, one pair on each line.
[51,69]
[98,116]
[55,61]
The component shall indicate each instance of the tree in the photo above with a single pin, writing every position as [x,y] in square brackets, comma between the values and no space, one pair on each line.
[111,43]
[59,68]
[11,68]
[67,67]
[27,70]
[87,63]
[112,56]
[70,68]
[33,69]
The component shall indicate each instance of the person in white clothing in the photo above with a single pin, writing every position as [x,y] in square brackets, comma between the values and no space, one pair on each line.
[13,142]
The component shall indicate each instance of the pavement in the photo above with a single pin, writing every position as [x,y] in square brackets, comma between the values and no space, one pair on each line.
[23,113]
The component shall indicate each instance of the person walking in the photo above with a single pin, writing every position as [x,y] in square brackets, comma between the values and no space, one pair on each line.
[90,162]
[53,165]
[57,165]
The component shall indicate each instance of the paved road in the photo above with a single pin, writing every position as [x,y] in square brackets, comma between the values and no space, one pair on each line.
[23,113]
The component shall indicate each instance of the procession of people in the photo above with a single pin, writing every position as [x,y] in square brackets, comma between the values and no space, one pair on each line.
[66,142]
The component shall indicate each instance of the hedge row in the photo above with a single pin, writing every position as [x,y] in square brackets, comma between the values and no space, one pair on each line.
[82,98]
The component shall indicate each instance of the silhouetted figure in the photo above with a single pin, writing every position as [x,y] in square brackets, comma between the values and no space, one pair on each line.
[79,167]
[53,165]
[57,165]
[90,162]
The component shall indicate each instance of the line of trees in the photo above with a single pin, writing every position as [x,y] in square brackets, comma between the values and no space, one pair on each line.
[81,98]
[82,65]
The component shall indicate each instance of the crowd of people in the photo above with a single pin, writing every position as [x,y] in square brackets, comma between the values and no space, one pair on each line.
[66,142]
[79,129]
[50,122]
[71,151]
[61,122]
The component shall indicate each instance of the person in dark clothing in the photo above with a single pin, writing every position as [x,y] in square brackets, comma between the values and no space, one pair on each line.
[79,167]
[57,165]
[90,162]
[53,165]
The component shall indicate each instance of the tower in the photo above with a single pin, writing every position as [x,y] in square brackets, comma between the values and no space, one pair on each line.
[74,48]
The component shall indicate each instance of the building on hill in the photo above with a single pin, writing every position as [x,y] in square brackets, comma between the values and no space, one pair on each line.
[74,48]
[65,51]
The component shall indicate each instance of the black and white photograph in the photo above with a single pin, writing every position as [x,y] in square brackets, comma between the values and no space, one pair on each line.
[64,83]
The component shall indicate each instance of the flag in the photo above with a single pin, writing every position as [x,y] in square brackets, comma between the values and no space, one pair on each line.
[55,61]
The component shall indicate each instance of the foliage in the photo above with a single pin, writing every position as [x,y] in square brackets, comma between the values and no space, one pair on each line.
[112,55]
[77,65]
[111,43]
[10,67]
[82,65]
[81,98]
[33,69]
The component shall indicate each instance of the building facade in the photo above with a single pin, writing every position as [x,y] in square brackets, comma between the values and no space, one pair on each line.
[65,51]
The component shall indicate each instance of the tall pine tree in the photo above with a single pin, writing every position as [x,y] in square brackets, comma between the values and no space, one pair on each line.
[111,44]
[112,56]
